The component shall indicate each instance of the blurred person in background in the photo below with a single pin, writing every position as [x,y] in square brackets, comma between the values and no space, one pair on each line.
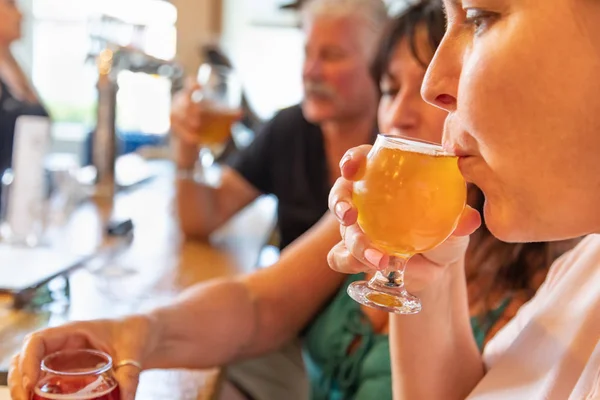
[17,95]
[346,347]
[295,156]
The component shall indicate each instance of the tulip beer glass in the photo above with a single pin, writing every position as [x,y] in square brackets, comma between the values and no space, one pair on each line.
[409,200]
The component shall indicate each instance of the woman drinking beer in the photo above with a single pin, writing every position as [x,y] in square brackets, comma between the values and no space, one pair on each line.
[346,345]
[520,81]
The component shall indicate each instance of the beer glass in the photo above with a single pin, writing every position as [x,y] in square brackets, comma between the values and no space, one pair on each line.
[220,96]
[77,375]
[409,200]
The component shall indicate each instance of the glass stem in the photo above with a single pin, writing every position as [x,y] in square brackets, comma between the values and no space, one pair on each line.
[199,166]
[392,277]
[206,157]
[207,168]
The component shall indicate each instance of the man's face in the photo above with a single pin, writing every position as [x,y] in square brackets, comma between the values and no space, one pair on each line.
[336,76]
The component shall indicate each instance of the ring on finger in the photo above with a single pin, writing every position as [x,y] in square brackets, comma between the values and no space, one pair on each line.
[129,362]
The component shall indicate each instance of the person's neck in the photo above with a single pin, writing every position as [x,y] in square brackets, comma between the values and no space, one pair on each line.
[340,136]
[7,60]
[4,52]
[348,133]
[14,77]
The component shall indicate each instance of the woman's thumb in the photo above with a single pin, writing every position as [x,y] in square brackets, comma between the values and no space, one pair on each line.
[469,221]
[456,245]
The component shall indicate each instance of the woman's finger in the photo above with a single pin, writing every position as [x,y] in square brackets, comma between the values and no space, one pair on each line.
[130,347]
[469,221]
[448,252]
[354,162]
[363,249]
[128,377]
[340,202]
[15,381]
[340,260]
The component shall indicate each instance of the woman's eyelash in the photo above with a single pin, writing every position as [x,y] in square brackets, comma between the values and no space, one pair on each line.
[389,91]
[479,19]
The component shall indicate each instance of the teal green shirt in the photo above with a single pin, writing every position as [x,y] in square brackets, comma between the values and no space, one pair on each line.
[366,372]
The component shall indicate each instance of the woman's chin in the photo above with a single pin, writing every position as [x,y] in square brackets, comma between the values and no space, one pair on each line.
[502,225]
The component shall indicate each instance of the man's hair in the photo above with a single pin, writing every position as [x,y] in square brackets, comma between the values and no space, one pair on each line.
[373,13]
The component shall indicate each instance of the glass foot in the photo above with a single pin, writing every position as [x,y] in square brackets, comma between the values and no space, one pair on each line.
[393,300]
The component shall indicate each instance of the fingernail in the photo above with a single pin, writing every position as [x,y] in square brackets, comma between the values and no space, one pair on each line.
[26,383]
[374,257]
[341,209]
[344,160]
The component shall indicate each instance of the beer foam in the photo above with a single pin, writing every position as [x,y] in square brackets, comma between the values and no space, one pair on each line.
[413,145]
[87,393]
[220,109]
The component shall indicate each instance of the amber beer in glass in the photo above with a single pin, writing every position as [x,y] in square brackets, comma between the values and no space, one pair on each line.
[220,97]
[77,375]
[216,125]
[409,200]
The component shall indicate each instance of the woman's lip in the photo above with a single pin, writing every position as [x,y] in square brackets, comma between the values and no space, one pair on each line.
[455,150]
[458,152]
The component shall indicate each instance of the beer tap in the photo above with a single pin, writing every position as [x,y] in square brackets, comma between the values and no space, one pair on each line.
[111,60]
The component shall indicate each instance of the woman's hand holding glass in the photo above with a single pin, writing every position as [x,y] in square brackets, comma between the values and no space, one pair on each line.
[357,253]
[132,338]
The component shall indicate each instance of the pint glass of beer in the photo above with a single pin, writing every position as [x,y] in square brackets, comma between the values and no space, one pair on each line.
[409,200]
[220,97]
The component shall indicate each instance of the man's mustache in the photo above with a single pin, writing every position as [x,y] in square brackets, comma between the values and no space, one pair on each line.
[318,89]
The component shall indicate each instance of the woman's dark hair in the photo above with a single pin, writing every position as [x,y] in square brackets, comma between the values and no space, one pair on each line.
[427,15]
[493,267]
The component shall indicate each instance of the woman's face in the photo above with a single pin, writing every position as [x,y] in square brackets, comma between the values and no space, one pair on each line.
[10,25]
[402,110]
[521,80]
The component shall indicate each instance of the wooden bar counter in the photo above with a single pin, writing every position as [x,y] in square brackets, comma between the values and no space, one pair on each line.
[151,269]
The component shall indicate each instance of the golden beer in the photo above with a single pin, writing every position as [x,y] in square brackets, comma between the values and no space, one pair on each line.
[216,125]
[410,197]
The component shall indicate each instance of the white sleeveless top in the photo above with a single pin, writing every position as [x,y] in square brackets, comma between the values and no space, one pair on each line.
[551,349]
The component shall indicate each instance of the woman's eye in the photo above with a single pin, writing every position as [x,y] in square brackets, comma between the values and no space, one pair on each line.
[389,92]
[479,20]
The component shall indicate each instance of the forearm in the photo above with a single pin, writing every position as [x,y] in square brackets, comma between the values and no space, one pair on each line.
[195,202]
[202,209]
[290,293]
[434,354]
[223,321]
[207,326]
[196,208]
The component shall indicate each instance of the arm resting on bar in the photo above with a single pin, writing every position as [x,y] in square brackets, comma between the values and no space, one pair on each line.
[226,320]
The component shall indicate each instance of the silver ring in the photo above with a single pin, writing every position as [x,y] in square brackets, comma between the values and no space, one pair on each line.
[129,362]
